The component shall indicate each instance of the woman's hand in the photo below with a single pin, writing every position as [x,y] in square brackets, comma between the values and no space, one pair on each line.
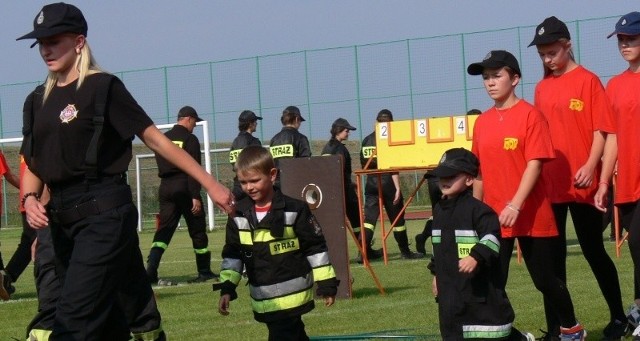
[36,213]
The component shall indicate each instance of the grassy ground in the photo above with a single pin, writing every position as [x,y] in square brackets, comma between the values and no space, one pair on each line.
[408,308]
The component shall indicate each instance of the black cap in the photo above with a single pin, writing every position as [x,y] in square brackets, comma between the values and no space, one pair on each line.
[628,24]
[342,123]
[455,161]
[188,111]
[292,110]
[493,60]
[384,115]
[55,19]
[549,31]
[248,116]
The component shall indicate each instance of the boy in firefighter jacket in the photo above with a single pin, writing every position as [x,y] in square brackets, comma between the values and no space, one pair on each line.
[466,241]
[280,243]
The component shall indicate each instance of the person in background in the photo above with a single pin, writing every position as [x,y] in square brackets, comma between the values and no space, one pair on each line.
[620,150]
[467,281]
[512,141]
[247,125]
[81,152]
[289,142]
[22,256]
[391,197]
[573,101]
[179,196]
[340,132]
[281,244]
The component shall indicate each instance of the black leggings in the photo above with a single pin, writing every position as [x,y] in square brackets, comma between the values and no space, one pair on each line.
[538,256]
[587,221]
[630,221]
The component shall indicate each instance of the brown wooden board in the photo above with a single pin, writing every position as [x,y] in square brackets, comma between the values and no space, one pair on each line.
[318,181]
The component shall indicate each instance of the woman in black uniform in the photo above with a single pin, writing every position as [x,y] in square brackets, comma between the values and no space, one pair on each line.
[91,214]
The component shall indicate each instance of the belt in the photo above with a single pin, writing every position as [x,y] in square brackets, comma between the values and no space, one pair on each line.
[92,207]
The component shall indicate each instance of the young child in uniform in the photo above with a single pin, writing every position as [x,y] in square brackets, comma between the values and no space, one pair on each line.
[280,243]
[621,146]
[467,280]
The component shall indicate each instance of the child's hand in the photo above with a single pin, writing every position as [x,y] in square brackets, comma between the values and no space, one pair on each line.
[434,287]
[223,304]
[329,300]
[467,265]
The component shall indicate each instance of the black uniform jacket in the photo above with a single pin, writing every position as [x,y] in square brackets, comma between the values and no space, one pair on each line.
[181,136]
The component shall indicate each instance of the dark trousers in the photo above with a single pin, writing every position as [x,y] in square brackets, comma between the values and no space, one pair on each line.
[22,256]
[98,260]
[351,206]
[176,202]
[539,254]
[291,329]
[48,286]
[630,221]
[587,221]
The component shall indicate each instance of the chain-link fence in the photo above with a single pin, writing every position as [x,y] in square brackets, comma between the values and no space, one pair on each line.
[414,78]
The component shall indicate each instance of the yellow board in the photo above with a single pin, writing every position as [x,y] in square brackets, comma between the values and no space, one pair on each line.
[421,142]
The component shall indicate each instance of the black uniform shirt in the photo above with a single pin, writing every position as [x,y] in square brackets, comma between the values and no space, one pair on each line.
[60,140]
[335,147]
[181,137]
[244,139]
[289,143]
[366,153]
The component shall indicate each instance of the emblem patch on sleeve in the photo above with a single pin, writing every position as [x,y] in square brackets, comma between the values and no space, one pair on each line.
[316,225]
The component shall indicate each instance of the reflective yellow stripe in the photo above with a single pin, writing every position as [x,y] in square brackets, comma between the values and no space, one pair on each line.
[264,235]
[146,336]
[230,275]
[201,251]
[284,150]
[245,237]
[369,226]
[233,155]
[178,143]
[161,245]
[282,303]
[39,335]
[324,272]
[399,228]
[294,285]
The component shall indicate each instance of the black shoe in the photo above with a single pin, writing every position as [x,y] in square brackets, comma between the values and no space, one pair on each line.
[615,330]
[420,241]
[371,255]
[203,277]
[411,255]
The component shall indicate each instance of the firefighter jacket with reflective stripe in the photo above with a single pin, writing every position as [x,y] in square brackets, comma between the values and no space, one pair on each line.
[283,254]
[243,140]
[475,305]
[335,147]
[182,138]
[289,143]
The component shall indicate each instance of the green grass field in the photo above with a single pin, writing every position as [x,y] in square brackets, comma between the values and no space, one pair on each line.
[408,308]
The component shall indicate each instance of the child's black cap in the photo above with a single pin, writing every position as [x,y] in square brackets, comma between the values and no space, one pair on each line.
[455,161]
[493,60]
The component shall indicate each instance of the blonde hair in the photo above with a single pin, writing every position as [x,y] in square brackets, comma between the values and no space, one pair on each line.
[255,158]
[564,41]
[85,64]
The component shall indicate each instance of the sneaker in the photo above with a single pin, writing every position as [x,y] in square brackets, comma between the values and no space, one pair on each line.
[575,333]
[528,337]
[165,283]
[203,277]
[615,330]
[411,255]
[634,315]
[636,334]
[4,283]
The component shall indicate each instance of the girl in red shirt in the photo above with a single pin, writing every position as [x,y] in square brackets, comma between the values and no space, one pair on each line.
[512,140]
[621,146]
[573,100]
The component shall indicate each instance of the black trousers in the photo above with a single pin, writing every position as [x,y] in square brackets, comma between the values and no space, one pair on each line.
[99,264]
[587,221]
[291,329]
[538,254]
[176,202]
[630,221]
